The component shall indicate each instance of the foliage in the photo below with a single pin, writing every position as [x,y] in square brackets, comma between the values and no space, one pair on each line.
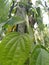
[27,48]
[4,9]
[39,56]
[15,49]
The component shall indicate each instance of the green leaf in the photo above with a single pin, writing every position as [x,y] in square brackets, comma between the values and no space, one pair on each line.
[4,9]
[39,56]
[14,49]
[13,21]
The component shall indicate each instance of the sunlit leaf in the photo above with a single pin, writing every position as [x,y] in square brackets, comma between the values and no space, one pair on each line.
[14,49]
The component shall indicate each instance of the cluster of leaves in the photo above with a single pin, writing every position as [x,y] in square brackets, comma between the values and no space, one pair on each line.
[29,48]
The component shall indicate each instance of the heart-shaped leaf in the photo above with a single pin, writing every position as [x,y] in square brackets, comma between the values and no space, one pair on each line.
[14,49]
